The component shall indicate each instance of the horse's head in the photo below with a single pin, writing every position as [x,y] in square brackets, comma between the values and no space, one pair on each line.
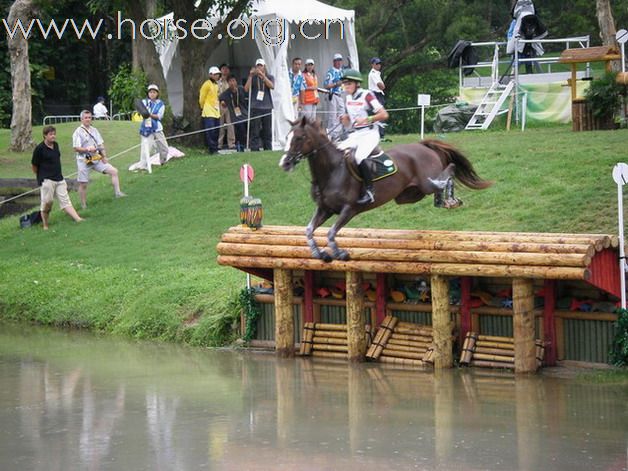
[303,139]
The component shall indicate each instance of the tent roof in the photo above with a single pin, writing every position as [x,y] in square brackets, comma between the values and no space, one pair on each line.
[300,11]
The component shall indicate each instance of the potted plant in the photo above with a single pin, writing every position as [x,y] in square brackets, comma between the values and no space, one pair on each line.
[604,96]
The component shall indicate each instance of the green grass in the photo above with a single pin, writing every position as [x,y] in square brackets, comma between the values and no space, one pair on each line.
[145,266]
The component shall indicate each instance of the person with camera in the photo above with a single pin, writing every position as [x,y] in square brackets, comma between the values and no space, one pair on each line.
[259,86]
[151,129]
[46,164]
[90,155]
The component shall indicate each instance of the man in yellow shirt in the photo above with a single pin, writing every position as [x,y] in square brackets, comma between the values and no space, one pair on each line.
[210,109]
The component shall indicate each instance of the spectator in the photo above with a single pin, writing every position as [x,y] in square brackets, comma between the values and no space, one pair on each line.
[376,85]
[226,129]
[151,129]
[208,99]
[297,84]
[46,164]
[309,95]
[260,83]
[91,155]
[333,83]
[100,110]
[234,101]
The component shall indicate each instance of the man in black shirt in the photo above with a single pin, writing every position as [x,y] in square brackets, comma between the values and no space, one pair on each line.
[234,99]
[259,85]
[46,163]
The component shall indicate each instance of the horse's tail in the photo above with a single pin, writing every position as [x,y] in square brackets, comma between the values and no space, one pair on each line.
[465,173]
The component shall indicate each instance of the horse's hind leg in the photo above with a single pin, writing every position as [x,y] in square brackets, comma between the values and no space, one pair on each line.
[320,216]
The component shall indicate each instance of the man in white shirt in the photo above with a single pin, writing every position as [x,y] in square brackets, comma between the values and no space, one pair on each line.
[100,110]
[376,85]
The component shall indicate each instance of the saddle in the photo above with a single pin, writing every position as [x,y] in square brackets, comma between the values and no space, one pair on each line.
[380,164]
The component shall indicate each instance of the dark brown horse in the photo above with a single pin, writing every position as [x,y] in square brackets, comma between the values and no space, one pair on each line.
[423,169]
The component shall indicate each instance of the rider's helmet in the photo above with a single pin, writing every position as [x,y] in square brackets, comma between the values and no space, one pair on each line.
[352,74]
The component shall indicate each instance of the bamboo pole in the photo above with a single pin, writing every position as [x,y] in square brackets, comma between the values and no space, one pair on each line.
[523,325]
[449,269]
[306,339]
[405,348]
[400,254]
[436,244]
[320,347]
[441,323]
[335,327]
[409,343]
[412,337]
[495,338]
[495,351]
[412,325]
[417,331]
[468,348]
[501,358]
[356,331]
[331,340]
[284,321]
[331,334]
[378,346]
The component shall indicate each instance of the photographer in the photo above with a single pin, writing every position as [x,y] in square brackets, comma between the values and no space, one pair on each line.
[90,155]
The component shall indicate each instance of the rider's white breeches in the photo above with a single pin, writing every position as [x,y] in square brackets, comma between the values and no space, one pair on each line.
[363,140]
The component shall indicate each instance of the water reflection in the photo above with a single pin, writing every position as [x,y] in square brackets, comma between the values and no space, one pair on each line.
[72,401]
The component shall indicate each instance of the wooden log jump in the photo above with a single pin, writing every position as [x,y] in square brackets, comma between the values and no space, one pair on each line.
[277,251]
[497,352]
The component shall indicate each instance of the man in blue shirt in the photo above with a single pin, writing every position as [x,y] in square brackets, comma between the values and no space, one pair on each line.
[297,84]
[333,83]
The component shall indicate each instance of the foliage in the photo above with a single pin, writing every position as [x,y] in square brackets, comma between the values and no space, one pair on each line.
[251,309]
[618,354]
[605,96]
[126,86]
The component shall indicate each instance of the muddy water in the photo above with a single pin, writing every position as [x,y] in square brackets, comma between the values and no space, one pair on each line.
[70,401]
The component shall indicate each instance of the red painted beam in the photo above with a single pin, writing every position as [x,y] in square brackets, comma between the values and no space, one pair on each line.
[465,307]
[380,298]
[308,296]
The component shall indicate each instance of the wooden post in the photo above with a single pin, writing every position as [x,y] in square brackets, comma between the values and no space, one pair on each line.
[574,88]
[465,309]
[308,296]
[284,318]
[549,326]
[380,299]
[523,325]
[441,323]
[356,335]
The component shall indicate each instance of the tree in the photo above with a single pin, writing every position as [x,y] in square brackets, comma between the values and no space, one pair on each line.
[607,26]
[21,127]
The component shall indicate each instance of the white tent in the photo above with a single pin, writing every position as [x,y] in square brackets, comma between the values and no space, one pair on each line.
[270,21]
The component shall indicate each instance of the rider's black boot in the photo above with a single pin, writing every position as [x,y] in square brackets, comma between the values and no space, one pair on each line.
[369,193]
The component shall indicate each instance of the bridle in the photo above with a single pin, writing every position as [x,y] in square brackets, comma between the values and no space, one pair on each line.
[299,156]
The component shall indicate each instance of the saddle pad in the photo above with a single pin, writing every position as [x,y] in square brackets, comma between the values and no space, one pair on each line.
[381,166]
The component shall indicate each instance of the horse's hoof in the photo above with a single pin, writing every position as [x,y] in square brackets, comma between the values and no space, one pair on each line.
[342,255]
[325,257]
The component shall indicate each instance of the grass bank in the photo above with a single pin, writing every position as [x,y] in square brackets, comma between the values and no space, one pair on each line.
[145,266]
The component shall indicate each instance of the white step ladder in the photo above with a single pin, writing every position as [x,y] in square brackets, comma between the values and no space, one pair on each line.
[491,106]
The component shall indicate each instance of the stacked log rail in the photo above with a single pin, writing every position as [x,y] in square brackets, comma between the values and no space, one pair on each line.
[493,352]
[487,254]
[401,343]
[326,340]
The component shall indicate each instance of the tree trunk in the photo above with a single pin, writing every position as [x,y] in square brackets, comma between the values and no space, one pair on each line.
[606,22]
[607,26]
[21,126]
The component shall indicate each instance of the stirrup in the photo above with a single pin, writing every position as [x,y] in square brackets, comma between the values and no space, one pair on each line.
[367,197]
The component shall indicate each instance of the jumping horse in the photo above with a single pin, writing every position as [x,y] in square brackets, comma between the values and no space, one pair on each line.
[423,168]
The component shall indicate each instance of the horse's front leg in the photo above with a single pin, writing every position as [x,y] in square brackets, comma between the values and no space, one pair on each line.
[346,214]
[320,216]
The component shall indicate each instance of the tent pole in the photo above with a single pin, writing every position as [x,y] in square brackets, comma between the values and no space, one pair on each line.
[248,123]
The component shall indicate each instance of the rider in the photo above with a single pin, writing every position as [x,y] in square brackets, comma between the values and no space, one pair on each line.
[362,112]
